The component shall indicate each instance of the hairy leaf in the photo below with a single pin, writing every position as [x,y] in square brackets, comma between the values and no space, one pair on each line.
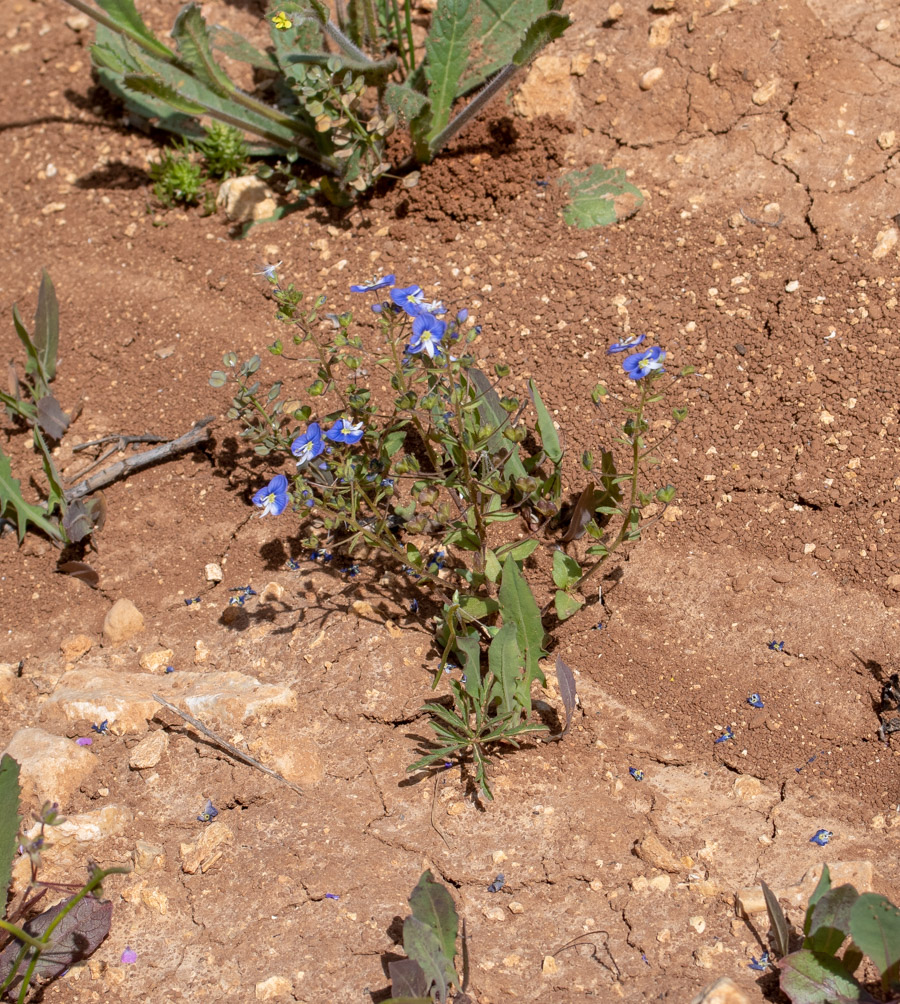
[501,27]
[46,326]
[811,978]
[9,823]
[235,46]
[156,88]
[875,928]
[407,104]
[540,34]
[304,37]
[831,920]
[195,48]
[598,197]
[11,501]
[447,47]
[76,937]
[125,15]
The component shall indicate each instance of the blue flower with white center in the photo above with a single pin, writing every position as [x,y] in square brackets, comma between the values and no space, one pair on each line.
[273,499]
[821,837]
[434,307]
[642,364]
[427,332]
[755,701]
[269,271]
[628,342]
[308,446]
[762,965]
[208,813]
[636,773]
[374,283]
[344,431]
[408,299]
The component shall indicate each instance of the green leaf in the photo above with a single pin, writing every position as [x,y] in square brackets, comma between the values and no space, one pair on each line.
[831,920]
[468,649]
[448,45]
[822,886]
[218,379]
[304,37]
[599,197]
[517,604]
[492,567]
[505,664]
[540,34]
[566,605]
[501,26]
[478,607]
[33,365]
[55,497]
[422,946]
[811,978]
[236,47]
[433,906]
[155,87]
[566,571]
[126,17]
[518,552]
[407,104]
[780,929]
[11,499]
[46,326]
[194,46]
[9,823]
[875,929]
[549,436]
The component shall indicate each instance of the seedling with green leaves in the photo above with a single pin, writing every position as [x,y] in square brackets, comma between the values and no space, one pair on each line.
[407,450]
[40,948]
[841,927]
[329,102]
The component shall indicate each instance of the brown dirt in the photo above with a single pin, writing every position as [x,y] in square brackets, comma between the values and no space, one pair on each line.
[767,156]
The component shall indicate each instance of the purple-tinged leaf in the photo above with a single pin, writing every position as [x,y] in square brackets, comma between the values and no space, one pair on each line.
[814,978]
[830,924]
[51,418]
[565,679]
[80,570]
[778,920]
[433,906]
[407,979]
[582,515]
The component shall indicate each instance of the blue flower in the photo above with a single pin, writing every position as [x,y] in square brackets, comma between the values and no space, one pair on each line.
[209,813]
[628,342]
[726,735]
[309,445]
[375,283]
[273,498]
[762,965]
[642,364]
[636,773]
[462,315]
[776,646]
[331,895]
[344,431]
[408,299]
[434,307]
[821,837]
[269,271]
[755,701]
[427,332]
[102,728]
[497,884]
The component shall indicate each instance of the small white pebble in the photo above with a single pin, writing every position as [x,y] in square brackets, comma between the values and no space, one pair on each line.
[792,286]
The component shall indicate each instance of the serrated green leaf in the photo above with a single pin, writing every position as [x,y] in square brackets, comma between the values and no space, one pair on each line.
[46,326]
[517,605]
[598,197]
[407,104]
[11,501]
[505,664]
[447,47]
[194,46]
[501,26]
[875,929]
[540,34]
[9,822]
[163,92]
[811,978]
[125,15]
[549,435]
[235,46]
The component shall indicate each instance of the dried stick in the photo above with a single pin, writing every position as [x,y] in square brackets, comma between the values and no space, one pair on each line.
[134,463]
[233,750]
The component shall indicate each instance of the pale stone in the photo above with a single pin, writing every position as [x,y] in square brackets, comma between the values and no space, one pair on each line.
[655,853]
[885,242]
[78,22]
[580,63]
[515,906]
[705,955]
[548,89]
[362,608]
[549,967]
[296,758]
[893,582]
[95,693]
[153,662]
[498,857]
[792,286]
[887,139]
[74,648]
[495,913]
[651,78]
[746,787]
[123,621]
[640,883]
[698,923]
[148,856]
[52,768]
[8,674]
[271,591]
[214,572]
[149,751]
[614,11]
[723,991]
[274,988]
[859,874]
[205,851]
[246,198]
[660,883]
[762,95]
[201,653]
[144,894]
[661,31]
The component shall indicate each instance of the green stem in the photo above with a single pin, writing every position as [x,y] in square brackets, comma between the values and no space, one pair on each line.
[22,935]
[407,8]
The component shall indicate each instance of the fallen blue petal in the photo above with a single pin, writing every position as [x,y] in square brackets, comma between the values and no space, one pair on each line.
[209,812]
[331,895]
[755,701]
[497,884]
[821,837]
[129,956]
[636,773]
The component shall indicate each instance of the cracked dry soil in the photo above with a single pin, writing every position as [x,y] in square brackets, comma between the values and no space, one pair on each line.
[765,256]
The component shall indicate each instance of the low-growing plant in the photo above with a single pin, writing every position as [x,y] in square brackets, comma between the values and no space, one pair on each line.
[429,939]
[177,177]
[45,945]
[841,927]
[407,448]
[224,151]
[328,101]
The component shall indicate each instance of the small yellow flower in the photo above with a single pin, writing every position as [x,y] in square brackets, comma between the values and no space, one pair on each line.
[281,21]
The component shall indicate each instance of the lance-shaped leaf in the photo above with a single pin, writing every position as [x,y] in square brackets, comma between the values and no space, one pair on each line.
[549,436]
[505,664]
[46,326]
[11,502]
[156,88]
[127,19]
[780,929]
[51,418]
[9,822]
[565,679]
[447,46]
[519,607]
[192,38]
[34,367]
